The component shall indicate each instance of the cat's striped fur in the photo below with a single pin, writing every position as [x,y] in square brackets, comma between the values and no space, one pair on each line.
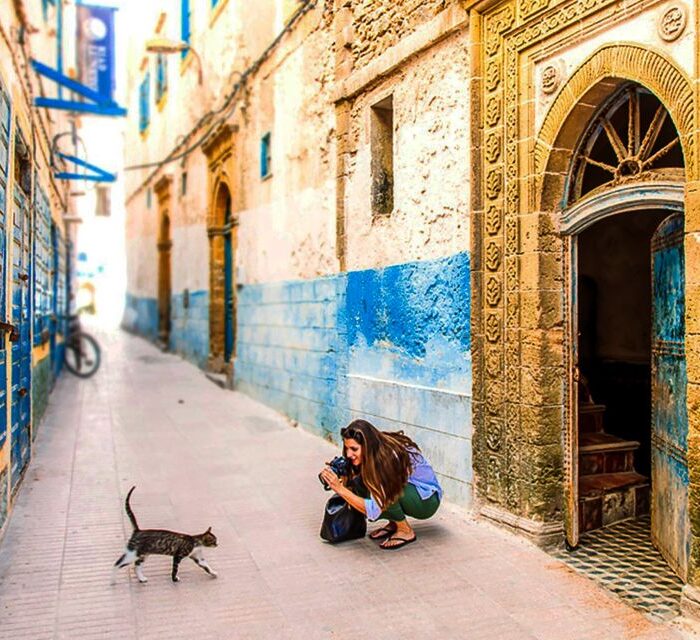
[145,542]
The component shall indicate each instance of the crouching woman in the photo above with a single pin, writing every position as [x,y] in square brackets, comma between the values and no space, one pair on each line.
[397,481]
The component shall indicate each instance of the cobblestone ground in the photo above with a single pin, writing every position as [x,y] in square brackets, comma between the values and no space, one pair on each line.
[203,456]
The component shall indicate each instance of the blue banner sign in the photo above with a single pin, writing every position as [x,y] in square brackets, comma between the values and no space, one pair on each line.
[95,49]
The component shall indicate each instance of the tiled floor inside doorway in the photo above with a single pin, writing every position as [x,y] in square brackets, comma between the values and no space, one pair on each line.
[622,559]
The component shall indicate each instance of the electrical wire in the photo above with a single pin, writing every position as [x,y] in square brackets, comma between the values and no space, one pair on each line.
[228,105]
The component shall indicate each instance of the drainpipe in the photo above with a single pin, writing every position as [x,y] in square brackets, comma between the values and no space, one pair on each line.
[21,14]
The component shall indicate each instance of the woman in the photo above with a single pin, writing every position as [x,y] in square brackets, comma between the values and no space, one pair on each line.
[399,481]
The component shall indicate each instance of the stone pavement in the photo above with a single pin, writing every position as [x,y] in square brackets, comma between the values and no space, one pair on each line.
[203,456]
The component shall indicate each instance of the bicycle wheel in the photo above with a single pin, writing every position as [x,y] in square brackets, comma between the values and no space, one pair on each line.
[82,355]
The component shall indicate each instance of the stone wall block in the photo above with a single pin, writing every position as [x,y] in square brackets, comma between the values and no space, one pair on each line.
[692,206]
[541,425]
[542,385]
[692,308]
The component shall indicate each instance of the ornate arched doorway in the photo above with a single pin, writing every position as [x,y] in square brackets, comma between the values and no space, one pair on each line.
[222,308]
[622,225]
[164,247]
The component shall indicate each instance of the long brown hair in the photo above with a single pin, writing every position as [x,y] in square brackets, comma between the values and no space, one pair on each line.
[386,463]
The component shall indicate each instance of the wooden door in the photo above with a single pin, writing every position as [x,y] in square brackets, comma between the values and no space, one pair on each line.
[164,280]
[669,424]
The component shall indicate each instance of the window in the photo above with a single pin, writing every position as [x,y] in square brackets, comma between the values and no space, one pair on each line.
[183,183]
[265,157]
[23,164]
[144,104]
[45,7]
[103,205]
[149,198]
[161,77]
[382,149]
[185,25]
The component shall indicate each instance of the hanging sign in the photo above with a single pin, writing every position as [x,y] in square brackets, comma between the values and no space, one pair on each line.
[95,48]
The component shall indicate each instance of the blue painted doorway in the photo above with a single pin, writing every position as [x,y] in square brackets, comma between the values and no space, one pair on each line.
[670,527]
[228,285]
[21,348]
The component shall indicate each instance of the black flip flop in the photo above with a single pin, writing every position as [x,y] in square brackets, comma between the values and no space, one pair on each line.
[402,542]
[387,530]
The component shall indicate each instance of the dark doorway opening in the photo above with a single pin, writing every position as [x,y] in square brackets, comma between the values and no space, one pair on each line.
[614,354]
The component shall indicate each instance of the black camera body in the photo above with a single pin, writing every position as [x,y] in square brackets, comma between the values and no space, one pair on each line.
[340,465]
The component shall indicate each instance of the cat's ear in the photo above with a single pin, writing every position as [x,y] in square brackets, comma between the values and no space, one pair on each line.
[208,530]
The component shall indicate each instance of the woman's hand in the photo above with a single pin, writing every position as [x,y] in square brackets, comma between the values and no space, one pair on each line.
[332,480]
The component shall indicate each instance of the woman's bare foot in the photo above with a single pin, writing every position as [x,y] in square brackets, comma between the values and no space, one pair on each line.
[404,535]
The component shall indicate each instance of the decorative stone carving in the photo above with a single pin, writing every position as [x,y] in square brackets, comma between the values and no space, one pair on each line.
[528,7]
[493,257]
[494,361]
[493,328]
[494,434]
[496,24]
[551,79]
[493,74]
[672,22]
[512,235]
[493,147]
[493,111]
[493,220]
[494,183]
[493,292]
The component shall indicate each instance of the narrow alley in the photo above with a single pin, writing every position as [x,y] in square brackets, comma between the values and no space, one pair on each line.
[201,456]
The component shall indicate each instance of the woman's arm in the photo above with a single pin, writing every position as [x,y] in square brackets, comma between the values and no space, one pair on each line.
[336,484]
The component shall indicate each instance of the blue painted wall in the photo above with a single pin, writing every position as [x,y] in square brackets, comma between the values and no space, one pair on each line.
[290,349]
[392,345]
[141,316]
[189,326]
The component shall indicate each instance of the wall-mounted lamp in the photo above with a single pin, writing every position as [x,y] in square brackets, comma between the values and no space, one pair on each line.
[167,46]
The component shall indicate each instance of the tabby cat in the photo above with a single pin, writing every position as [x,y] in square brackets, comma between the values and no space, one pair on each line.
[145,542]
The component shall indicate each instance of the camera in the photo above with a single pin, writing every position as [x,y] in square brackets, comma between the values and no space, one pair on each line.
[340,465]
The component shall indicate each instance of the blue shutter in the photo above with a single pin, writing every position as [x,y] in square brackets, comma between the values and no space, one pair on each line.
[161,77]
[265,156]
[185,24]
[144,106]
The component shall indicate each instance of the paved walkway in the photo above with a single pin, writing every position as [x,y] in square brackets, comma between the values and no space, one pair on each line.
[203,456]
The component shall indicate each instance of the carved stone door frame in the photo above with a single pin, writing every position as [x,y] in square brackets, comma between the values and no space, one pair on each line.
[221,229]
[520,169]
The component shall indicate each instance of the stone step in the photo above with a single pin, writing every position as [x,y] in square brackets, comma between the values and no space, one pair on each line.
[590,417]
[601,452]
[607,498]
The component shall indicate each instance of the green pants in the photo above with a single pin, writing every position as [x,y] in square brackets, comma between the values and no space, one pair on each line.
[409,504]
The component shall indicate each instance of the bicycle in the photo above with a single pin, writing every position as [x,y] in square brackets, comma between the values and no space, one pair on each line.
[82,353]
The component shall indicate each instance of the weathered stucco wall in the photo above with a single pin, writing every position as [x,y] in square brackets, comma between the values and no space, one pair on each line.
[287,220]
[430,218]
[380,24]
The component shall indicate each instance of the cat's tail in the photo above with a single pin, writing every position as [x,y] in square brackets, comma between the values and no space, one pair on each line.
[129,512]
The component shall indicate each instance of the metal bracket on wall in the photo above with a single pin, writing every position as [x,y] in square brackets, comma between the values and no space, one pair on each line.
[11,329]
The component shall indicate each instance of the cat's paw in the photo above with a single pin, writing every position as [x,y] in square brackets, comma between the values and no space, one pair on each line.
[143,580]
[213,574]
[176,579]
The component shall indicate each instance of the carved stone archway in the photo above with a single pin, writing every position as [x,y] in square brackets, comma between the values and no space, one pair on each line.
[518,182]
[221,231]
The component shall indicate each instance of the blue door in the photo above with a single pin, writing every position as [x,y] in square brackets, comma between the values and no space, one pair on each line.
[228,286]
[21,348]
[669,425]
[53,321]
[5,123]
